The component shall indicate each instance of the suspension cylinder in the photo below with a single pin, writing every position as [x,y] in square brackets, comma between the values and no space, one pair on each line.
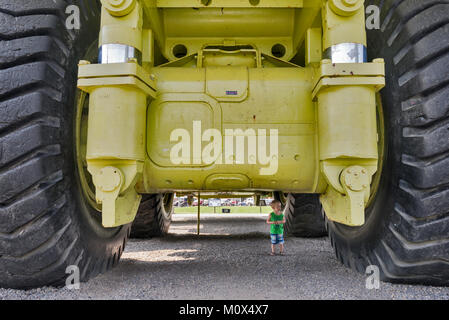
[118,99]
[347,122]
[117,120]
[347,132]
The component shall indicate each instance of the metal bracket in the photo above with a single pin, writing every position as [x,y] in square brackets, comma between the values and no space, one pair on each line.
[348,208]
[115,191]
[118,98]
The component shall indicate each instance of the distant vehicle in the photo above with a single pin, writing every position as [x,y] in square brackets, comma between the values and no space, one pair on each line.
[195,203]
[214,202]
[181,203]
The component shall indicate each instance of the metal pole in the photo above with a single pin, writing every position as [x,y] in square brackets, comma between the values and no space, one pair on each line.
[199,211]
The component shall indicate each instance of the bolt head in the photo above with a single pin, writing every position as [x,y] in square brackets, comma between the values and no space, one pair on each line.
[116,3]
[119,8]
[350,3]
[346,7]
[109,179]
[354,178]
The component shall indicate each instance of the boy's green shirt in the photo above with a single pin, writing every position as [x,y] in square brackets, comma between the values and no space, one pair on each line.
[277,228]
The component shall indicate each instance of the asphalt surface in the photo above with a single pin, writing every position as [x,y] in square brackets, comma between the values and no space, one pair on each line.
[229,260]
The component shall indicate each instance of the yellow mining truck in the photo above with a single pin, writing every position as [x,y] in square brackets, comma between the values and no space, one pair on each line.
[339,108]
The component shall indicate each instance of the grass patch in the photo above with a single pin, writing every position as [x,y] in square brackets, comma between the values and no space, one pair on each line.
[218,209]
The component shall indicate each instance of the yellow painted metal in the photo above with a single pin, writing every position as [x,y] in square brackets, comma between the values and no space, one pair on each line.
[218,195]
[122,22]
[220,57]
[119,203]
[119,8]
[267,23]
[266,99]
[231,77]
[116,135]
[126,29]
[81,148]
[230,3]
[347,126]
[126,75]
[340,28]
[148,49]
[382,148]
[349,209]
[347,123]
[198,23]
[314,46]
[346,8]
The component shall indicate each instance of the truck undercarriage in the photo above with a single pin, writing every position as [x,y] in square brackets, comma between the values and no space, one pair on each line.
[337,108]
[271,96]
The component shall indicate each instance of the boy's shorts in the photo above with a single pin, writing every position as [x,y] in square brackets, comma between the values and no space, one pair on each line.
[277,239]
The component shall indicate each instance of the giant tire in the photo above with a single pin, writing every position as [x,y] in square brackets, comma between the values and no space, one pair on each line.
[46,224]
[407,227]
[154,216]
[304,216]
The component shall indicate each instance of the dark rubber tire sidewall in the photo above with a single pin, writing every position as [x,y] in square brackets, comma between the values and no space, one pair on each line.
[153,217]
[378,242]
[84,242]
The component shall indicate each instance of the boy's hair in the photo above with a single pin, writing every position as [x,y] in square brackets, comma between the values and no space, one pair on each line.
[274,202]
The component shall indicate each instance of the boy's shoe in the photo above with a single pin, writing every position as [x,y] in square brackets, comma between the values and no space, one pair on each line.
[272,254]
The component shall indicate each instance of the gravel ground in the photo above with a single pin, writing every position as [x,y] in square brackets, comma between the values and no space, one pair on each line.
[229,260]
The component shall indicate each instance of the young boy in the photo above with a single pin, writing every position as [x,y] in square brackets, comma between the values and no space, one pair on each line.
[276,219]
